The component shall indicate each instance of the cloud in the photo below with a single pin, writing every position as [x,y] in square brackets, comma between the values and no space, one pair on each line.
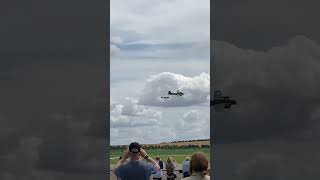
[72,153]
[196,90]
[263,166]
[265,29]
[160,21]
[141,134]
[191,117]
[116,40]
[53,67]
[293,67]
[114,50]
[167,29]
[58,130]
[277,115]
[131,108]
[194,124]
[163,51]
[274,88]
[19,162]
[130,114]
[186,125]
[9,136]
[273,159]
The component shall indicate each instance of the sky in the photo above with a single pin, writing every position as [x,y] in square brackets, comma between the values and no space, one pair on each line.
[53,81]
[54,87]
[267,57]
[157,46]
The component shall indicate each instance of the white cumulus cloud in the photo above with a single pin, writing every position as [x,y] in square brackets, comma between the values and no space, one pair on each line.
[196,90]
[194,124]
[130,114]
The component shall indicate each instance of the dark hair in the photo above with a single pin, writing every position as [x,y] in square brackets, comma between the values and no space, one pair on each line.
[199,163]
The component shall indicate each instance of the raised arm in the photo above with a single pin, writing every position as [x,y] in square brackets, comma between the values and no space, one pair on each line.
[149,159]
[125,156]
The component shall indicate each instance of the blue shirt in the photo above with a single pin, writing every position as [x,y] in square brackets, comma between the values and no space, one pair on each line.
[185,166]
[134,170]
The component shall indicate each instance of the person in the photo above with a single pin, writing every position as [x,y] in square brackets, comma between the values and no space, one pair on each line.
[185,167]
[198,167]
[118,176]
[135,168]
[170,166]
[159,173]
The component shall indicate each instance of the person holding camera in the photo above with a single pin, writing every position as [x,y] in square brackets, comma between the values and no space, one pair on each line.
[135,168]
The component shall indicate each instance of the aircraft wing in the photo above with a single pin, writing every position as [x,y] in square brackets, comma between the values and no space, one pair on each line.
[219,107]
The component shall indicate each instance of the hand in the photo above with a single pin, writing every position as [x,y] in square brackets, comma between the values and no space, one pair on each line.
[142,152]
[126,155]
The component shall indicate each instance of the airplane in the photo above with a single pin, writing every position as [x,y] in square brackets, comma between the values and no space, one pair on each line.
[218,99]
[165,97]
[178,93]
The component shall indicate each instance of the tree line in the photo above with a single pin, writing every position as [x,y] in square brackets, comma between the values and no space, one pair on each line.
[166,146]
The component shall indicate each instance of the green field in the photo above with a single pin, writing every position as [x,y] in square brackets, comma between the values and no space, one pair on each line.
[178,154]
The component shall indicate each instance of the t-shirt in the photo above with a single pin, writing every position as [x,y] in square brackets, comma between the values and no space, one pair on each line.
[159,173]
[185,166]
[135,170]
[170,169]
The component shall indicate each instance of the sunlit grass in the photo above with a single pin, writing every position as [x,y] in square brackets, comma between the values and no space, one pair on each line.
[178,154]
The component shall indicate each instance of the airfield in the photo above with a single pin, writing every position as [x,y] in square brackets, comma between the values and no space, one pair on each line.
[178,150]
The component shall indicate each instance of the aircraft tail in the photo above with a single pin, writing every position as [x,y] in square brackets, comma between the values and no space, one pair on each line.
[217,93]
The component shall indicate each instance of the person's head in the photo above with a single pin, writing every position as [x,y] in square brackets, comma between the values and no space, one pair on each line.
[199,163]
[120,157]
[134,150]
[170,160]
[158,158]
[188,158]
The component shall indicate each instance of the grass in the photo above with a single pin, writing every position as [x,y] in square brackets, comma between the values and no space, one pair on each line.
[178,154]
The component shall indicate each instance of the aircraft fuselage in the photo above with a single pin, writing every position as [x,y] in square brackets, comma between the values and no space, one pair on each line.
[177,94]
[223,100]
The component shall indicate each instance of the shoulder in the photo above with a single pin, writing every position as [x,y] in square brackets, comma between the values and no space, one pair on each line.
[119,169]
[122,166]
[148,165]
[128,165]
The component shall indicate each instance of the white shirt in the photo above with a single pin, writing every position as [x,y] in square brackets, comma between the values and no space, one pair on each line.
[159,173]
